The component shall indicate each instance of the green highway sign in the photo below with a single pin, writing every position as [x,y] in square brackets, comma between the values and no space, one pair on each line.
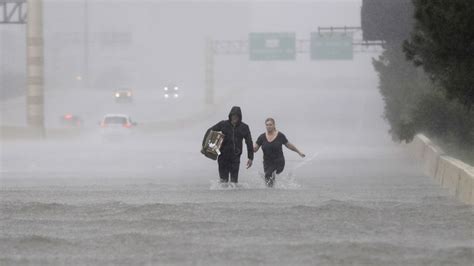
[270,46]
[331,46]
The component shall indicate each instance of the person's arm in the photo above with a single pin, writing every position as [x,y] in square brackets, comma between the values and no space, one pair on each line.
[293,148]
[258,144]
[256,147]
[249,143]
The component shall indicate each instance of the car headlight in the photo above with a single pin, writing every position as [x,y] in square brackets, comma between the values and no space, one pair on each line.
[117,95]
[166,88]
[167,96]
[176,88]
[176,95]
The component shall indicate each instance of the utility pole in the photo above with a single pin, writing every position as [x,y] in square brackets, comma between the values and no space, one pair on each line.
[85,72]
[35,67]
[209,68]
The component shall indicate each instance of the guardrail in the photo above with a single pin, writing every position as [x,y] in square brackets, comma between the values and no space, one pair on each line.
[21,133]
[454,175]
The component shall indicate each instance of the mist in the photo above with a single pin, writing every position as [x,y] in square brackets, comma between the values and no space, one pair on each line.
[145,46]
[151,186]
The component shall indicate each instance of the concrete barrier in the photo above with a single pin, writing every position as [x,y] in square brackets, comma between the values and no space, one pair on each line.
[13,132]
[431,157]
[419,145]
[440,171]
[454,175]
[450,174]
[465,191]
[427,153]
[63,133]
[26,133]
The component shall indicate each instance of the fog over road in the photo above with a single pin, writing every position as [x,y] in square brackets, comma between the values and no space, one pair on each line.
[152,198]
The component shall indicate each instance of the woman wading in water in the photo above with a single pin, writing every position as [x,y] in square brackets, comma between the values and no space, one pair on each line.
[273,158]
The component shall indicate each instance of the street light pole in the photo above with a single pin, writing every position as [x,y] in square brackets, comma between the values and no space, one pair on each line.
[35,67]
[85,78]
[209,75]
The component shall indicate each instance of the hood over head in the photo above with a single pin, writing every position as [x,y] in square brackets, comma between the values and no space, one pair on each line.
[236,111]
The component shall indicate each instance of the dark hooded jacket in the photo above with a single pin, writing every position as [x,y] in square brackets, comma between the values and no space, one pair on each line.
[232,145]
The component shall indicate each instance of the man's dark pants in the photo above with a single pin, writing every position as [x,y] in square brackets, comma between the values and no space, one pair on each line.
[229,167]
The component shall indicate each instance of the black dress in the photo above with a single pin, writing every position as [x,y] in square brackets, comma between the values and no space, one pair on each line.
[273,158]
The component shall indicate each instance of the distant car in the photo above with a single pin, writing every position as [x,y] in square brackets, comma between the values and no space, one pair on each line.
[70,120]
[171,91]
[123,96]
[117,124]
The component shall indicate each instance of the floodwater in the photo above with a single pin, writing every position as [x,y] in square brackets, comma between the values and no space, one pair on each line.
[66,202]
[152,198]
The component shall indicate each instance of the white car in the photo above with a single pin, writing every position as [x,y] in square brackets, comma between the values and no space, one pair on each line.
[117,125]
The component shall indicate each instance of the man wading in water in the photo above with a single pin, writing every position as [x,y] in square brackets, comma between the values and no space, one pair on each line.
[234,131]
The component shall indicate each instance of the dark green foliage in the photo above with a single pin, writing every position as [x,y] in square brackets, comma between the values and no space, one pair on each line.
[415,104]
[442,42]
[401,85]
[435,99]
[444,120]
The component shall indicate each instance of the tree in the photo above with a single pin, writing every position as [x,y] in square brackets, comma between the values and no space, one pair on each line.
[442,42]
[414,104]
[401,85]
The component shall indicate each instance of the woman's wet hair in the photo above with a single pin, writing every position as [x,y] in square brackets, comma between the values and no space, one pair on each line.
[270,119]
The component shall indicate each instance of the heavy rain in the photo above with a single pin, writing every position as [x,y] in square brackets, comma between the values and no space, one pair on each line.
[105,103]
